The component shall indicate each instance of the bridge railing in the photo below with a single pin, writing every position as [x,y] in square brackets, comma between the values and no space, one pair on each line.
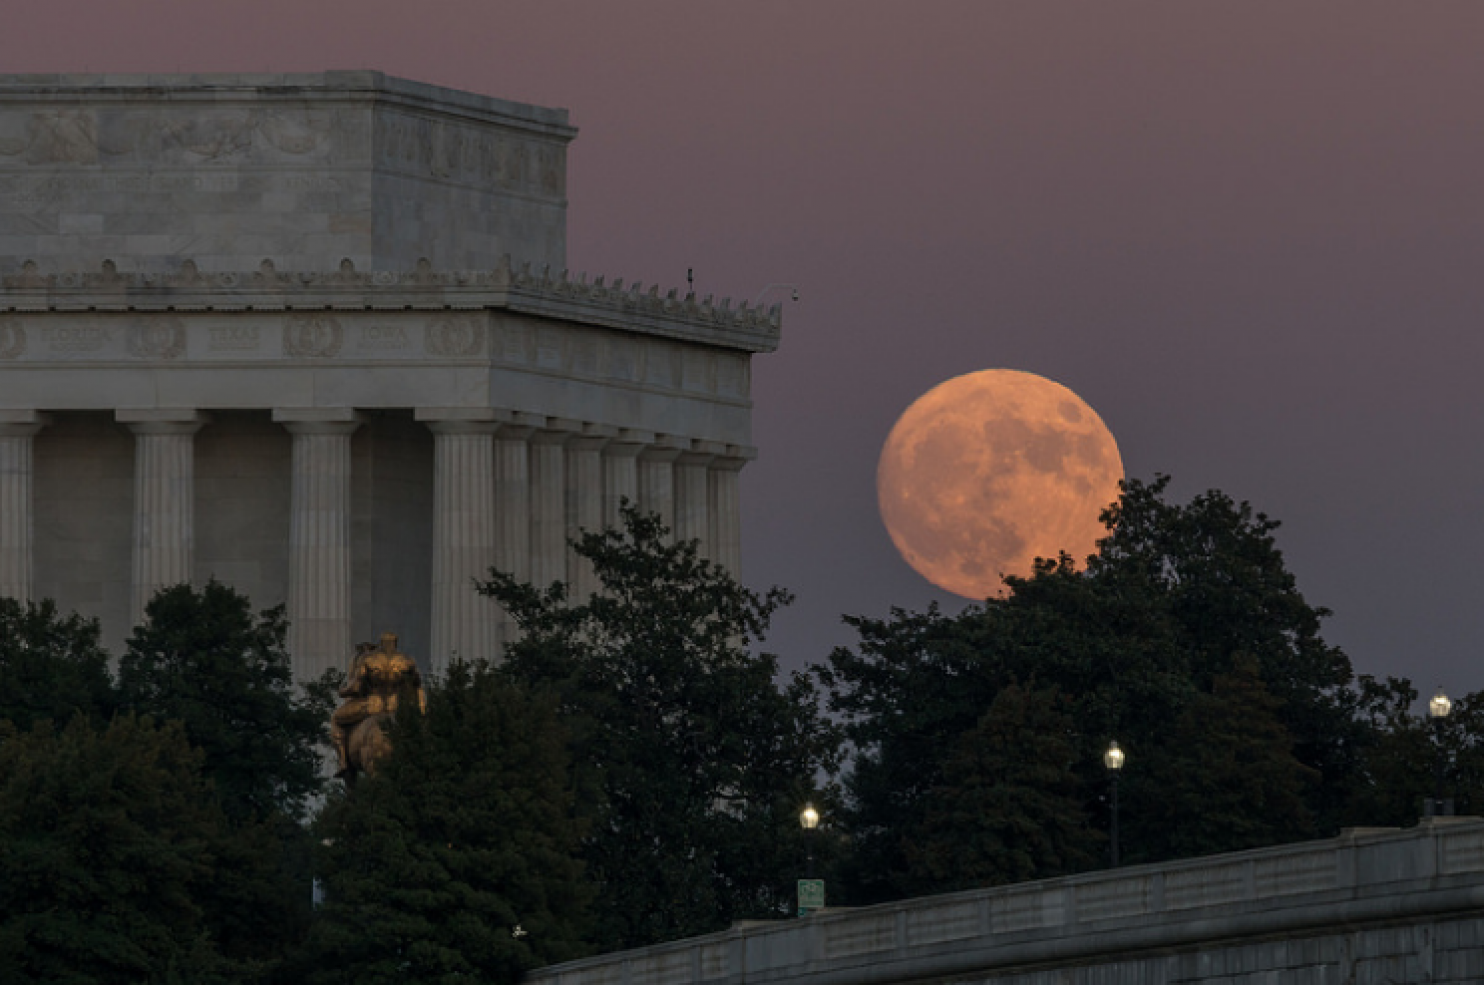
[1364,876]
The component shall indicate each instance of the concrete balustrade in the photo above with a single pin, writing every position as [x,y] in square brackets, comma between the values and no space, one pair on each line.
[1372,906]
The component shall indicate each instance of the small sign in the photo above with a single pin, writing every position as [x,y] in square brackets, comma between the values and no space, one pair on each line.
[811,896]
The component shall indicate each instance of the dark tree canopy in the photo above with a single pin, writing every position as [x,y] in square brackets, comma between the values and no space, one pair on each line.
[1185,634]
[202,658]
[106,838]
[51,667]
[695,759]
[1009,804]
[456,860]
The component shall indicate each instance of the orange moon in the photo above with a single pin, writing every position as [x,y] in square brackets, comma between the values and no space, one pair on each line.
[988,471]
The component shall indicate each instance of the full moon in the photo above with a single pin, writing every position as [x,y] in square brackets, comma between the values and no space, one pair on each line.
[988,471]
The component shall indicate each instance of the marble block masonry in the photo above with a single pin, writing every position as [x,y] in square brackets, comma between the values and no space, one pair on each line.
[312,336]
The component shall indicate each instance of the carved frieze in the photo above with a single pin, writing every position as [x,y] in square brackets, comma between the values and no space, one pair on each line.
[157,338]
[88,136]
[449,151]
[12,338]
[551,347]
[621,358]
[455,335]
[234,338]
[74,338]
[383,338]
[312,336]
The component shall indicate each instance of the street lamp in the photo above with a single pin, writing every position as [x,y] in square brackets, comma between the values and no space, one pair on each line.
[1438,708]
[809,820]
[1113,760]
[811,890]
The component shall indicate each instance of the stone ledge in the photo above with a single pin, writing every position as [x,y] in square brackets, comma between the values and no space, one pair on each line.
[340,86]
[522,290]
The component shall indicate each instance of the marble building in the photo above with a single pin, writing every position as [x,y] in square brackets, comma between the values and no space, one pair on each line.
[311,335]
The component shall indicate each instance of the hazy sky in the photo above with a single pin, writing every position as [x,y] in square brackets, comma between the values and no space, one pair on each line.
[1250,234]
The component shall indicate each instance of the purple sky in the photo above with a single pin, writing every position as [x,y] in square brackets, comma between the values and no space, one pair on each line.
[1250,234]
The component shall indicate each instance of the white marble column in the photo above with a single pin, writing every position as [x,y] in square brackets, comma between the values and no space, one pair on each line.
[512,510]
[725,503]
[657,477]
[164,500]
[584,501]
[693,493]
[18,430]
[319,603]
[621,474]
[464,622]
[548,501]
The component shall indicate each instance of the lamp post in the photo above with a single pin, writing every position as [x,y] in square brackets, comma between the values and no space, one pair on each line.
[1113,760]
[811,890]
[809,820]
[1438,708]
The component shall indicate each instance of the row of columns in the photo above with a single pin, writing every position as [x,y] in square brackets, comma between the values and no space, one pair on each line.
[509,490]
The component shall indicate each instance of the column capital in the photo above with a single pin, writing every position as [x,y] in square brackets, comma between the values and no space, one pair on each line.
[318,420]
[628,443]
[701,452]
[515,432]
[664,448]
[461,426]
[22,423]
[593,437]
[498,415]
[556,431]
[734,458]
[162,420]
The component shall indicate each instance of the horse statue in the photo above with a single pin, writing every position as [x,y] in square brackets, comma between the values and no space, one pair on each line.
[379,677]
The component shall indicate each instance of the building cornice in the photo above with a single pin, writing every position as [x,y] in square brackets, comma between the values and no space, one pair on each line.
[520,290]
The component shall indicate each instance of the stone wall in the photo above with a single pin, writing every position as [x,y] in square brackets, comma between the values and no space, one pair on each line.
[84,507]
[227,170]
[392,531]
[1373,907]
[242,505]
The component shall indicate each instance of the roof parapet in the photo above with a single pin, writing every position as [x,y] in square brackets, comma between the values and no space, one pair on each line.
[521,289]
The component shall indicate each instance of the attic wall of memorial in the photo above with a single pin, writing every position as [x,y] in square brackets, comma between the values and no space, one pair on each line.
[302,169]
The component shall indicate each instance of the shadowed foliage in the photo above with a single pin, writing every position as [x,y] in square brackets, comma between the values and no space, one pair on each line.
[692,758]
[456,859]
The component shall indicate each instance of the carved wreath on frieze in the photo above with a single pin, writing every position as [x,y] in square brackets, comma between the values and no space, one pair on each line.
[454,335]
[12,338]
[157,338]
[317,336]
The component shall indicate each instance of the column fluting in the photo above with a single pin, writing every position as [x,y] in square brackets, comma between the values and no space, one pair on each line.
[693,493]
[18,431]
[512,512]
[319,603]
[164,500]
[725,501]
[584,502]
[464,622]
[621,474]
[548,501]
[657,478]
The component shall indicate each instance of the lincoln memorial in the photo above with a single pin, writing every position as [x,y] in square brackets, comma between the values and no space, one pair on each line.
[312,336]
